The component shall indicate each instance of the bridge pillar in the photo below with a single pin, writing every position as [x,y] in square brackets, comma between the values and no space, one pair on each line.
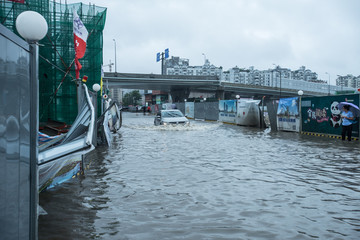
[179,95]
[220,94]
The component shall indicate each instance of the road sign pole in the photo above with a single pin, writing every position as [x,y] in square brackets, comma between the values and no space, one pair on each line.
[162,63]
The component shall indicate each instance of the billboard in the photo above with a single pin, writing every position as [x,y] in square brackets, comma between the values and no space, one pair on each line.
[227,111]
[288,118]
[320,114]
[189,110]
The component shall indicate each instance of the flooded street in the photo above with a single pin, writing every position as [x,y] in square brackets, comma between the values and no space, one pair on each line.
[209,181]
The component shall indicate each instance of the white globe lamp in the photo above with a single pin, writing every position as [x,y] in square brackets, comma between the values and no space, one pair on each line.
[31,25]
[96,87]
[300,92]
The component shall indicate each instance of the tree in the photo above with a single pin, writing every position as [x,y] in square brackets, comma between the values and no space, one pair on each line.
[132,98]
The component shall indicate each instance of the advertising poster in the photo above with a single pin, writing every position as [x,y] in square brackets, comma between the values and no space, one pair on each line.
[321,115]
[288,118]
[227,111]
[158,99]
[189,110]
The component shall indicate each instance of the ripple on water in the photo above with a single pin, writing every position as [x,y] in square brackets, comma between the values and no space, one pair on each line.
[209,181]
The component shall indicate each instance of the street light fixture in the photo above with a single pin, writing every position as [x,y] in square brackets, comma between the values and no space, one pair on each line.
[329,83]
[96,87]
[32,26]
[115,55]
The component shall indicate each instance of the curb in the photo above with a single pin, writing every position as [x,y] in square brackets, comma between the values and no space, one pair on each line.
[327,135]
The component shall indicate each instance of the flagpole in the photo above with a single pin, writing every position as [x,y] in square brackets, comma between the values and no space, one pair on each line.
[79,94]
[101,90]
[80,37]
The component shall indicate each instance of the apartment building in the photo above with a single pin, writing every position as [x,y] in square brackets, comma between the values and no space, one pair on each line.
[301,78]
[180,66]
[348,81]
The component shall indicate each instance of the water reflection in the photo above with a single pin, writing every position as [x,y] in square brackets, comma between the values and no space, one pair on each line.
[210,181]
[71,208]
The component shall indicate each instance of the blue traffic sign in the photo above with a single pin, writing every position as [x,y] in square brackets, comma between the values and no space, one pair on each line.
[158,57]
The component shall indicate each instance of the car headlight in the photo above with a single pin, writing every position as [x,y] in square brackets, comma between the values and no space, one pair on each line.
[164,123]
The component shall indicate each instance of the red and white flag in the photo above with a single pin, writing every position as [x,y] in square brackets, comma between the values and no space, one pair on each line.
[80,37]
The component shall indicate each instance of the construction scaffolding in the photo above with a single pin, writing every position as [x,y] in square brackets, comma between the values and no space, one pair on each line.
[57,83]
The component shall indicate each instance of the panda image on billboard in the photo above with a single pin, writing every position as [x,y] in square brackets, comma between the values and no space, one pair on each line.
[335,120]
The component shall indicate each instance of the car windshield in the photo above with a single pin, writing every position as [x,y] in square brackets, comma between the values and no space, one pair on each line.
[168,114]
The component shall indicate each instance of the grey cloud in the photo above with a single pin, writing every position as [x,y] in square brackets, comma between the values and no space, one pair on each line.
[323,35]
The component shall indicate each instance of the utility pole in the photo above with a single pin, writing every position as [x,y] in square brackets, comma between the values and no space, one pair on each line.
[115,56]
[162,56]
[277,69]
[162,63]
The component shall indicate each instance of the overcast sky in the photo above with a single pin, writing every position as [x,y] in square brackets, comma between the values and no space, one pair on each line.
[322,35]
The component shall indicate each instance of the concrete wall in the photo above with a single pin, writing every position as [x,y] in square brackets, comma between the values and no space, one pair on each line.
[18,187]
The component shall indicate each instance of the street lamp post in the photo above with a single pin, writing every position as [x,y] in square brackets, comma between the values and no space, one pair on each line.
[329,83]
[32,27]
[96,88]
[115,55]
[204,58]
[277,70]
[300,93]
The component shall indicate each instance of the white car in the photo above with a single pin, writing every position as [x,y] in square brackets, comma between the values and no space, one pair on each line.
[166,117]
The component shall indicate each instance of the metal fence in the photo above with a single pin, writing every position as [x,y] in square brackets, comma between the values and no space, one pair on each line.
[211,111]
[206,111]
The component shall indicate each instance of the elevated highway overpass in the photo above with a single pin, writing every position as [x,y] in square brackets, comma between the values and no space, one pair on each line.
[180,86]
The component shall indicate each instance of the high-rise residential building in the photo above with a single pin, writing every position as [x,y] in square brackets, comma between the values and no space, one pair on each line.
[180,66]
[237,75]
[255,77]
[268,78]
[348,81]
[357,82]
[304,74]
[279,77]
[225,76]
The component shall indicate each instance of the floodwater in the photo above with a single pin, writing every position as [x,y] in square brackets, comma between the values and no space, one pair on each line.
[209,181]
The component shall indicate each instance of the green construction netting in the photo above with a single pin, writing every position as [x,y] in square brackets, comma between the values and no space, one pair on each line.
[56,52]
